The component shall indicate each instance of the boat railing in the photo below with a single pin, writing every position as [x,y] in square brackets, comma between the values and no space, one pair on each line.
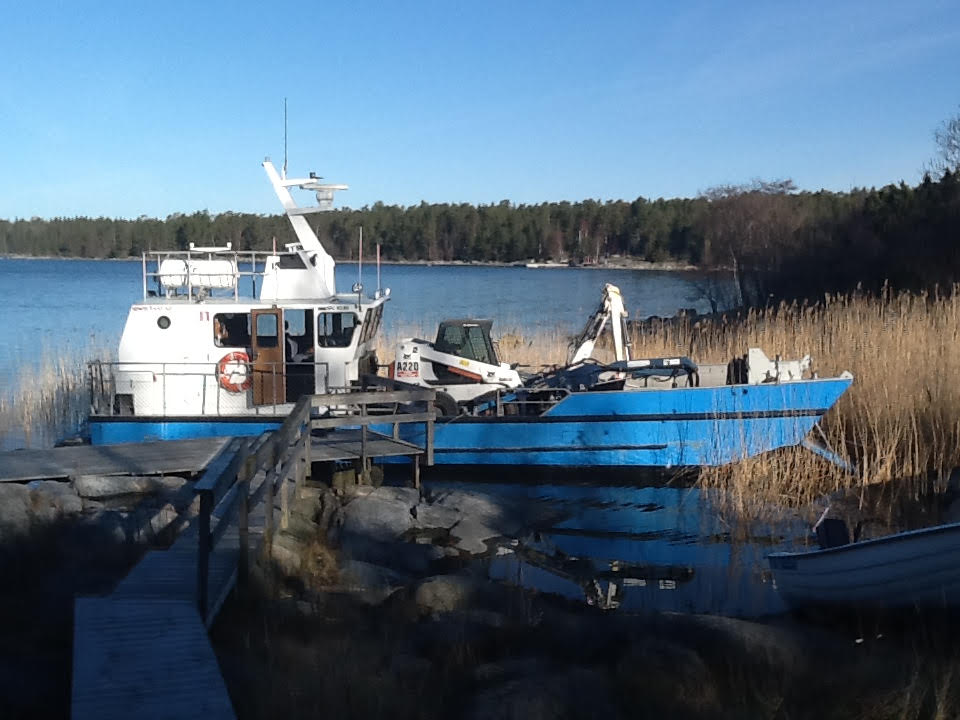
[118,389]
[200,271]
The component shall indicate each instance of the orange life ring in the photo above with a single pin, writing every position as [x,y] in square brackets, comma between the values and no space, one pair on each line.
[229,378]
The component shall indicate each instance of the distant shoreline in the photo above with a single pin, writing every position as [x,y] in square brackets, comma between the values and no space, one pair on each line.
[612,264]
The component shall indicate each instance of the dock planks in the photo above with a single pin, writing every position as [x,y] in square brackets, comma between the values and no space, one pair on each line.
[148,458]
[345,444]
[143,651]
[144,659]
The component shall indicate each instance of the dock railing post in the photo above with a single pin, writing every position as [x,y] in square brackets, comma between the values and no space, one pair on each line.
[308,442]
[203,552]
[247,471]
[268,495]
[363,440]
[429,447]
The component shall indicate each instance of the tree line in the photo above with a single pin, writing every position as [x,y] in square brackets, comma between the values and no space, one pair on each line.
[780,243]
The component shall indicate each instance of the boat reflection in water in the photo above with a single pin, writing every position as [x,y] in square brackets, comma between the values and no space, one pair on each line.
[634,548]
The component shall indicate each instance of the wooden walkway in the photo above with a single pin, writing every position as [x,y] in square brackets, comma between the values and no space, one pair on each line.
[149,458]
[143,652]
[146,659]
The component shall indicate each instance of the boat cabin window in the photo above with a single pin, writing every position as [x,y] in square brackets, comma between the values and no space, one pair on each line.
[335,329]
[268,333]
[231,330]
[298,328]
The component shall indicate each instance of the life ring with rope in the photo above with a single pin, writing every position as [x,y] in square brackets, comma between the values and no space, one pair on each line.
[235,379]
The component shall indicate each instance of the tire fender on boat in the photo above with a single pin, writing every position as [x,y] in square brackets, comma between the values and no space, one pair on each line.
[237,378]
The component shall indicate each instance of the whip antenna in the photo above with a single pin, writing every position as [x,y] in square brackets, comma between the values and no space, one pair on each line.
[284,138]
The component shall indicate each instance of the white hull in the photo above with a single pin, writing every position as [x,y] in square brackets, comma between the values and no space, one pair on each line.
[912,569]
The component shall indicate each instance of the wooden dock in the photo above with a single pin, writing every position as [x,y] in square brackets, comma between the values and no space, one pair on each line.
[347,444]
[150,458]
[143,651]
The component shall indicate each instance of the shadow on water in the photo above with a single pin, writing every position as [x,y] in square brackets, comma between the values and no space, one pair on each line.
[628,540]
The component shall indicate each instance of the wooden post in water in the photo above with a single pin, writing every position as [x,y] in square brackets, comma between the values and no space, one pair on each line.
[416,471]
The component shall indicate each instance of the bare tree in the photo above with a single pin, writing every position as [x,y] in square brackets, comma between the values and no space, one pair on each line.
[947,139]
[718,288]
[748,228]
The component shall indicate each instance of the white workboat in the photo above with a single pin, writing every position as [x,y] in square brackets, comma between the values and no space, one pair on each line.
[918,568]
[225,342]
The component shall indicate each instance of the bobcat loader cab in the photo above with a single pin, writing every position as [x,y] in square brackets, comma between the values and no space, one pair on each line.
[462,363]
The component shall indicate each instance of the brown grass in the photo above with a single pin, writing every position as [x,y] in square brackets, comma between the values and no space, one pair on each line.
[900,421]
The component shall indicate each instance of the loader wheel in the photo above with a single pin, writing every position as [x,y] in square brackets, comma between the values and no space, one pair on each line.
[445,405]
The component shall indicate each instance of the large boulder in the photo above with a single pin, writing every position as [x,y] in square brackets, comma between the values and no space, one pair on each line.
[107,486]
[574,693]
[15,511]
[382,515]
[53,500]
[446,593]
[436,517]
[413,558]
[371,583]
[286,552]
[670,679]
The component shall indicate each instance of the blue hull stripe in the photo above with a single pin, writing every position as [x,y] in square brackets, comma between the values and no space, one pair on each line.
[660,417]
[550,449]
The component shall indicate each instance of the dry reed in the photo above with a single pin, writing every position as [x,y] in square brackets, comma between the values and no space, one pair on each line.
[899,423]
[49,399]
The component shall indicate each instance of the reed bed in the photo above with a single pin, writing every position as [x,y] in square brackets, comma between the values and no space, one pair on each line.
[899,423]
[48,400]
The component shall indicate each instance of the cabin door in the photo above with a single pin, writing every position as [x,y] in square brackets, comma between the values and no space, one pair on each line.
[269,387]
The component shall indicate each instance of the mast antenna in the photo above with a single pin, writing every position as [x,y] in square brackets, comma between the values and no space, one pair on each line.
[284,138]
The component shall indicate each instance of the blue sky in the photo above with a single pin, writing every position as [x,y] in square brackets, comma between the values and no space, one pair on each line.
[134,108]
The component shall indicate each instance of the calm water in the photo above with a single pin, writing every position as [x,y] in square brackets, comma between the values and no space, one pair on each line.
[662,547]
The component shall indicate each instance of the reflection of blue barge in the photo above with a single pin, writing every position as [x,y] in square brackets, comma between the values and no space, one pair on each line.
[654,428]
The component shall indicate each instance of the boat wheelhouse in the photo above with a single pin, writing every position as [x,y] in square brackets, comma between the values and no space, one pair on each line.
[224,342]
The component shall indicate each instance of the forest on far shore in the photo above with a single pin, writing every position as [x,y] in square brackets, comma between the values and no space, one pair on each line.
[780,243]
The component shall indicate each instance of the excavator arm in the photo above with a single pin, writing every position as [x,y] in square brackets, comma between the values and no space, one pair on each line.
[610,311]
